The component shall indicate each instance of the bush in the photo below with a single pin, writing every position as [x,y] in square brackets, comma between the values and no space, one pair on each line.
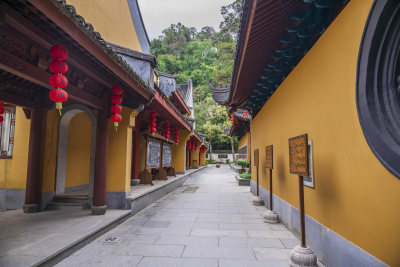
[210,161]
[245,175]
[228,161]
[243,163]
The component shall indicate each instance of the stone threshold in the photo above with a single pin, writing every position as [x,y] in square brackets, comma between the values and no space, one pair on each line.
[142,196]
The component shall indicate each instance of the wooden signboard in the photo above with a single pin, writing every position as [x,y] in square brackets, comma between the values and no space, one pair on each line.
[167,155]
[153,154]
[269,157]
[298,155]
[256,157]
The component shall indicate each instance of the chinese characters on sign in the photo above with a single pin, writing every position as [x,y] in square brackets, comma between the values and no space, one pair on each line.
[269,157]
[298,155]
[256,157]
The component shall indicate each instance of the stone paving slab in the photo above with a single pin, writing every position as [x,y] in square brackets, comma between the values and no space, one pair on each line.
[215,225]
[32,238]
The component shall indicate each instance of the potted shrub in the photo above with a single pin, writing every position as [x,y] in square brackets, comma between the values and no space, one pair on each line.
[244,164]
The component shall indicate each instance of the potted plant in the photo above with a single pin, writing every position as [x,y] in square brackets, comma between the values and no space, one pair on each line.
[244,164]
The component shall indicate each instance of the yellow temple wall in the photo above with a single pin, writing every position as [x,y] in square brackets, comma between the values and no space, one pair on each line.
[13,171]
[354,194]
[78,151]
[178,151]
[245,140]
[195,156]
[112,19]
[120,153]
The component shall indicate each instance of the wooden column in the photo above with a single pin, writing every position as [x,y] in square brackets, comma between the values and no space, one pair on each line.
[100,171]
[136,149]
[34,156]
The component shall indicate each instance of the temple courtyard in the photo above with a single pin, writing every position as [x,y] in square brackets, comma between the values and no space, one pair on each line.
[210,221]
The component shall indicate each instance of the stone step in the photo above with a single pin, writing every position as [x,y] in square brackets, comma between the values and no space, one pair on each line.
[71,198]
[53,205]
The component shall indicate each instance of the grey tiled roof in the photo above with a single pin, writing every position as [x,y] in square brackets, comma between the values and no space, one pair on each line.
[88,29]
[220,95]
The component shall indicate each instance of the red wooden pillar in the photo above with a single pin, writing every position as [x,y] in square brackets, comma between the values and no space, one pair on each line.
[34,156]
[136,149]
[100,171]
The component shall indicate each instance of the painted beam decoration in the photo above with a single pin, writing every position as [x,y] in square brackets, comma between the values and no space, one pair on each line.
[298,155]
[269,157]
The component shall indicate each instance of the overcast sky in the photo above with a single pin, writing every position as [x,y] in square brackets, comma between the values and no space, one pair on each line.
[160,14]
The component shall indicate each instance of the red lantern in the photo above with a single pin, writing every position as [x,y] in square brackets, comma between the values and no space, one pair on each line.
[116,109]
[1,110]
[1,119]
[1,103]
[116,118]
[116,90]
[232,118]
[58,81]
[221,139]
[219,85]
[59,52]
[176,136]
[59,96]
[58,66]
[116,99]
[245,114]
[212,134]
[153,124]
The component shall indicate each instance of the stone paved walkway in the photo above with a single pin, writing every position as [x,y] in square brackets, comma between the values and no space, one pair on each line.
[210,221]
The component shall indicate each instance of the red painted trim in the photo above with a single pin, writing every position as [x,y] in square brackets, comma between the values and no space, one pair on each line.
[162,107]
[180,103]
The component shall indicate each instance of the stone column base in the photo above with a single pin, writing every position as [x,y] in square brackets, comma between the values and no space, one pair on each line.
[135,182]
[302,257]
[99,210]
[30,208]
[271,216]
[257,201]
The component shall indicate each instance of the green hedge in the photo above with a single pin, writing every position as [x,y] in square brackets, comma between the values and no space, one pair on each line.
[243,163]
[245,175]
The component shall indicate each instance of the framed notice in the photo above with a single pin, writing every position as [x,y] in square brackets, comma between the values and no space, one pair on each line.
[153,154]
[222,156]
[309,180]
[167,155]
[256,157]
[298,155]
[269,157]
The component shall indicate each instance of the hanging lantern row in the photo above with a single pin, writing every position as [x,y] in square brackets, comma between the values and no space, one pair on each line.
[1,112]
[167,132]
[245,114]
[116,108]
[153,124]
[189,144]
[232,118]
[176,136]
[58,80]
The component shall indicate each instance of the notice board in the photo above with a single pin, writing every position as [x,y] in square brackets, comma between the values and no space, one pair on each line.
[153,154]
[269,157]
[167,155]
[298,155]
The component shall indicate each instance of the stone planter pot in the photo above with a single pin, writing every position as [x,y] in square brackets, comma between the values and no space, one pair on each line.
[241,181]
[217,165]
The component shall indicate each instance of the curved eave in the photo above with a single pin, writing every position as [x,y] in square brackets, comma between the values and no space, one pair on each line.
[273,37]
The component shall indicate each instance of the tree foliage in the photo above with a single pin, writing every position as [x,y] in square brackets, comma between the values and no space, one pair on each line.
[191,54]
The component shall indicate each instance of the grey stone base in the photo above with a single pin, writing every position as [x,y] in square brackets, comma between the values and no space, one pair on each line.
[135,182]
[241,181]
[271,216]
[12,199]
[117,200]
[330,248]
[99,210]
[30,208]
[257,201]
[302,257]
